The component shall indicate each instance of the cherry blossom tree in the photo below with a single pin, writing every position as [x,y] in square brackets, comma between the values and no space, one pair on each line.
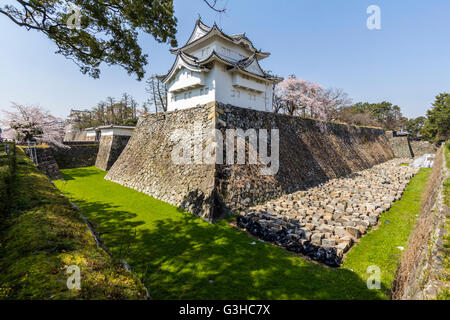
[329,101]
[297,96]
[33,122]
[8,134]
[293,95]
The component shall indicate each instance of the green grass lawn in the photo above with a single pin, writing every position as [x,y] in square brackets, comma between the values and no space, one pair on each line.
[180,256]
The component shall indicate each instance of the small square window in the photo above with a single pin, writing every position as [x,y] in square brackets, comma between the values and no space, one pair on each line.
[201,91]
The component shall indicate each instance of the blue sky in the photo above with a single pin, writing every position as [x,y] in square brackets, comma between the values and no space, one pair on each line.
[407,62]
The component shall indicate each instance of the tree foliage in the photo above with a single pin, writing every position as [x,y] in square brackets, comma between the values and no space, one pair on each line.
[124,111]
[108,29]
[437,125]
[383,114]
[414,126]
[93,32]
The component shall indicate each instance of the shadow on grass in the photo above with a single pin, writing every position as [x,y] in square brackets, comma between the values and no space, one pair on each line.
[187,258]
[79,173]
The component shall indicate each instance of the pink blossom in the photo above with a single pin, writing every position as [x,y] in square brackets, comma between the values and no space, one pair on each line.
[34,122]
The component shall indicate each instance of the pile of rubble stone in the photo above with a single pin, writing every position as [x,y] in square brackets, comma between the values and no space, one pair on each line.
[425,161]
[323,222]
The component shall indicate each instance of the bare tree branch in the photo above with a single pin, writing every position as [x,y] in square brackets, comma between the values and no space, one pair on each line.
[212,4]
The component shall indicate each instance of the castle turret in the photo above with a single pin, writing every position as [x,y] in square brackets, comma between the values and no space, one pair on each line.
[214,66]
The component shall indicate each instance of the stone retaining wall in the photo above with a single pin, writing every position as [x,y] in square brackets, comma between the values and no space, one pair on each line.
[146,162]
[400,145]
[47,163]
[419,148]
[77,156]
[111,146]
[307,156]
[418,271]
[75,135]
[403,147]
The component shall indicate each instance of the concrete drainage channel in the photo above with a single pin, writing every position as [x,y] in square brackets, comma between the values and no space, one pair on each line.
[100,244]
[324,222]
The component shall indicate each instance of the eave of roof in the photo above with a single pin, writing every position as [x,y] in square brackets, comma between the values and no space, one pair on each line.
[214,30]
[189,61]
[200,65]
[239,66]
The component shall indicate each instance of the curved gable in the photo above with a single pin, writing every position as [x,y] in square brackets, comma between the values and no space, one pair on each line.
[255,68]
[181,62]
[200,30]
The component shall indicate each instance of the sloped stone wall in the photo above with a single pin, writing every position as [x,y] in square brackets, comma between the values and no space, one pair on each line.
[403,147]
[146,163]
[47,163]
[419,148]
[77,156]
[418,272]
[110,148]
[400,145]
[307,156]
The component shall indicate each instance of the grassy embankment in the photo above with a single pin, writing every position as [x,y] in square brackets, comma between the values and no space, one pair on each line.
[41,234]
[180,256]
